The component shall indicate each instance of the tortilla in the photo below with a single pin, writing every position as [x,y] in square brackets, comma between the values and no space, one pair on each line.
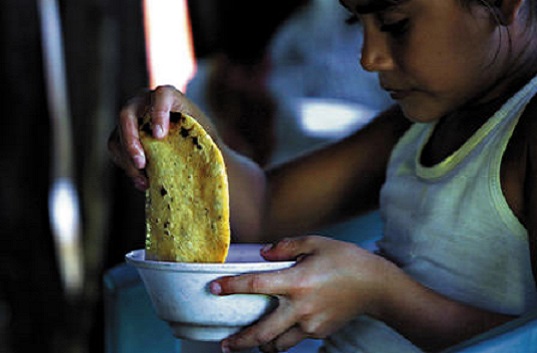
[187,203]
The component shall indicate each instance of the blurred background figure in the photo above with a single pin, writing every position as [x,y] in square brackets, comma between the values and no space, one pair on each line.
[322,90]
[232,79]
[276,91]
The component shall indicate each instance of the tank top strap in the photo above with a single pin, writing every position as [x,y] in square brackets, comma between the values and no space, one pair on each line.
[506,117]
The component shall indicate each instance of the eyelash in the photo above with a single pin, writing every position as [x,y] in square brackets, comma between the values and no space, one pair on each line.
[352,20]
[395,29]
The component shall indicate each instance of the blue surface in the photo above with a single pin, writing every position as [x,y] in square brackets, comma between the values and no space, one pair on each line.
[131,324]
[364,230]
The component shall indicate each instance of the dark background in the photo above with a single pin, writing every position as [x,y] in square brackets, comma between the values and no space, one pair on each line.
[105,57]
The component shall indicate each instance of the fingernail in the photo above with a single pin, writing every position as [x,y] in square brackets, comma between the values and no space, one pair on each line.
[225,347]
[158,131]
[267,247]
[140,183]
[139,161]
[215,288]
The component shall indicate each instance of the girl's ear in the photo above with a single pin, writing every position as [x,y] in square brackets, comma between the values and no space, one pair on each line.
[508,10]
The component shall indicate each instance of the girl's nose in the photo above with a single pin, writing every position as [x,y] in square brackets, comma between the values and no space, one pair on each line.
[376,53]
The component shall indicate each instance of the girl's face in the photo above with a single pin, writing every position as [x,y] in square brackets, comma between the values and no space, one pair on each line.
[432,56]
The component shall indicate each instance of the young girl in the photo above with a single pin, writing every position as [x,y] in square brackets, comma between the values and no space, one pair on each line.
[453,167]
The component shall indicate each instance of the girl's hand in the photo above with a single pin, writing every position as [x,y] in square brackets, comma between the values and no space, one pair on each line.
[332,283]
[124,143]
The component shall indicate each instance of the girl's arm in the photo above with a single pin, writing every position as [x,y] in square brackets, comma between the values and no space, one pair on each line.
[327,185]
[430,320]
[334,282]
[530,189]
[333,183]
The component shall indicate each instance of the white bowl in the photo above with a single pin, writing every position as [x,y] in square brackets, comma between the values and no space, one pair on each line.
[180,295]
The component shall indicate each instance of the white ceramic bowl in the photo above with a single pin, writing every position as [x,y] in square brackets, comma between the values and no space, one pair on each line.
[180,295]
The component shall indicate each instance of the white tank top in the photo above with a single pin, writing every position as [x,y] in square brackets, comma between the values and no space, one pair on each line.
[450,228]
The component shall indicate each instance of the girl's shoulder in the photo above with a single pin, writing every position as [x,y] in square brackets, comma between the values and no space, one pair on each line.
[519,164]
[526,129]
[528,124]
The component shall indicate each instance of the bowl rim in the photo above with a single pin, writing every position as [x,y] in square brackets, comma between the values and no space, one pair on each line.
[137,259]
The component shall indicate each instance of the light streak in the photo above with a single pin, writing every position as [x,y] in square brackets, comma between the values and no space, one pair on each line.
[170,50]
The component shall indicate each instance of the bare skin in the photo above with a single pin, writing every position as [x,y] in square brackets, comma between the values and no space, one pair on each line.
[429,54]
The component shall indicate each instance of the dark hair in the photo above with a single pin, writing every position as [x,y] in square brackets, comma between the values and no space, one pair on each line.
[529,8]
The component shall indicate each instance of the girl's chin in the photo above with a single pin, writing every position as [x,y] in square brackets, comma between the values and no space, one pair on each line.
[420,114]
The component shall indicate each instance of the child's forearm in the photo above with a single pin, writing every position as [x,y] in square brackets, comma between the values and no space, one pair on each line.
[247,188]
[430,320]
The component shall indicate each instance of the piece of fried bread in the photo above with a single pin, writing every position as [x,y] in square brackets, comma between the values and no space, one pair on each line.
[187,203]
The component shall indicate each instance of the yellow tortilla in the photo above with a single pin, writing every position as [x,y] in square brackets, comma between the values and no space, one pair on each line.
[187,203]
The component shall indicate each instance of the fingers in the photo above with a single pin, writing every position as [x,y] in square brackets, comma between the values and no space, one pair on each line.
[163,100]
[275,282]
[285,341]
[266,330]
[124,144]
[128,131]
[119,157]
[298,314]
[270,283]
[292,248]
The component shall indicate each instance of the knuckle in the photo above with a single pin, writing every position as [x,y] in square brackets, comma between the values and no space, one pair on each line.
[302,288]
[228,284]
[164,89]
[131,173]
[160,114]
[311,240]
[310,322]
[308,309]
[262,338]
[311,328]
[160,89]
[256,283]
[168,87]
[133,147]
[126,113]
[256,338]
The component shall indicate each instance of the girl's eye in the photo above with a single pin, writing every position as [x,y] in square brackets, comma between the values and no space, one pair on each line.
[396,28]
[352,20]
